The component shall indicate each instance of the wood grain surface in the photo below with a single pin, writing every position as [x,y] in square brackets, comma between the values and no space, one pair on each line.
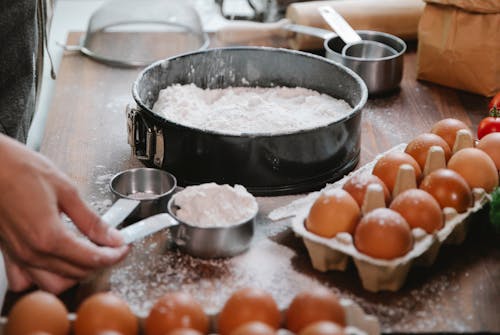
[86,138]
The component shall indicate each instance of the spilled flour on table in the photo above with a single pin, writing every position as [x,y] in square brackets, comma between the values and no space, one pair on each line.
[266,265]
[405,313]
[101,200]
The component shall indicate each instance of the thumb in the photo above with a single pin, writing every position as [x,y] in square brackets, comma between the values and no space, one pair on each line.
[88,222]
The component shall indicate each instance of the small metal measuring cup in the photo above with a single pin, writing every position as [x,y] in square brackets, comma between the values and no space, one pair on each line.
[211,242]
[382,74]
[151,187]
[376,57]
[197,241]
[355,45]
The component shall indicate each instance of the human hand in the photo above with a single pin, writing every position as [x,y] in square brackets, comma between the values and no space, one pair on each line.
[21,279]
[40,249]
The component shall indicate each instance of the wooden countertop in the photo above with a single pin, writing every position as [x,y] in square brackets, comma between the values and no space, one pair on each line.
[86,137]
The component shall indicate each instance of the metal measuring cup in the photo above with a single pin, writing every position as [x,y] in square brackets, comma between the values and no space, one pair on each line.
[355,45]
[211,242]
[151,187]
[377,57]
[198,241]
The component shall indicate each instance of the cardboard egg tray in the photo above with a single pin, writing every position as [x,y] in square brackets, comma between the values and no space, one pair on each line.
[379,274]
[357,322]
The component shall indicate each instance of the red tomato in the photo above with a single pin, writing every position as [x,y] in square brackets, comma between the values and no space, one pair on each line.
[494,105]
[490,124]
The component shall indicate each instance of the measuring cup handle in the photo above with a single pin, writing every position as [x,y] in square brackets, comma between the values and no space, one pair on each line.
[311,31]
[119,211]
[339,24]
[235,32]
[147,227]
[72,48]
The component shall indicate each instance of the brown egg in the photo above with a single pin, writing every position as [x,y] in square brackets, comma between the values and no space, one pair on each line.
[38,311]
[356,186]
[322,328]
[184,331]
[109,332]
[387,167]
[476,167]
[176,310]
[333,212]
[245,305]
[447,130]
[449,189]
[420,145]
[254,328]
[105,312]
[491,145]
[419,209]
[383,233]
[317,304]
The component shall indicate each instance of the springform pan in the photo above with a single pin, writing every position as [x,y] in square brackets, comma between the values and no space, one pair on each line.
[266,164]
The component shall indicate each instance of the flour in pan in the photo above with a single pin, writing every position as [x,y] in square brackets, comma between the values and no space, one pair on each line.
[250,110]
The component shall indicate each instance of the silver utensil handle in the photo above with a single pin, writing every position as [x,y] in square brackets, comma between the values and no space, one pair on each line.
[339,24]
[311,31]
[119,211]
[69,47]
[147,227]
[235,32]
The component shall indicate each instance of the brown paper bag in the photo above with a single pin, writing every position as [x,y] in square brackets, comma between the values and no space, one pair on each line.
[459,45]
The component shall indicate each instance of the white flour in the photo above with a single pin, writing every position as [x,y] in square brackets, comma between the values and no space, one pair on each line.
[251,110]
[212,205]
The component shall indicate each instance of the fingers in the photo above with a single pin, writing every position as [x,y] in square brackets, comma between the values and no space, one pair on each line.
[62,267]
[42,249]
[17,278]
[86,220]
[79,251]
[61,251]
[21,280]
[49,281]
[85,254]
[72,256]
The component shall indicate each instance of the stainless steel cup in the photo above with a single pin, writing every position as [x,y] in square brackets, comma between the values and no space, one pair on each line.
[212,242]
[380,74]
[198,241]
[152,187]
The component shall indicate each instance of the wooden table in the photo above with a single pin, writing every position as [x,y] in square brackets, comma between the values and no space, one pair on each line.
[86,137]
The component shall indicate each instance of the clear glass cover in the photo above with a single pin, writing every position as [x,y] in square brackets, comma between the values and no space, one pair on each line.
[139,32]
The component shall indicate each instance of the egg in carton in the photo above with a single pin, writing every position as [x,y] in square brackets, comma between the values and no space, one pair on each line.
[388,274]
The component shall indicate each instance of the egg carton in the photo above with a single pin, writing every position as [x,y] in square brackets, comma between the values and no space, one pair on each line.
[357,321]
[380,274]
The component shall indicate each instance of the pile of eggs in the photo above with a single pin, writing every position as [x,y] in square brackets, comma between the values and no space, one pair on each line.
[248,311]
[408,190]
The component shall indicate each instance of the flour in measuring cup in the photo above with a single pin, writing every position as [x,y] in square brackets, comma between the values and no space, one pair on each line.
[212,205]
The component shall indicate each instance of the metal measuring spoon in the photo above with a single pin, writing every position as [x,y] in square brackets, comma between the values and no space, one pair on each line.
[355,46]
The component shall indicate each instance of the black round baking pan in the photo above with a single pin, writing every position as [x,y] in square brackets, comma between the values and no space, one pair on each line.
[266,164]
